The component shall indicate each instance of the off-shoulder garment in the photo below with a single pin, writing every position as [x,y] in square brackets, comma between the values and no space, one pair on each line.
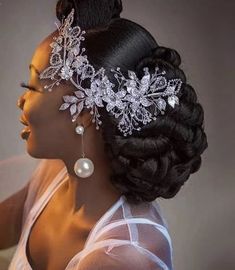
[133,236]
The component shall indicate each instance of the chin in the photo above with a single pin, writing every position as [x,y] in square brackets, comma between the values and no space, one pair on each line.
[40,152]
[35,154]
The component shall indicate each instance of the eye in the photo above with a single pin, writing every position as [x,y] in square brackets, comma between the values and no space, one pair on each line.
[25,85]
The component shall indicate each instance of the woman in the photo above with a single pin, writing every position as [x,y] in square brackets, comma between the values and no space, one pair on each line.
[90,203]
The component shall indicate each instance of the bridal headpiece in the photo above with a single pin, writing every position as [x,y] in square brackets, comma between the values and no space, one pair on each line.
[134,96]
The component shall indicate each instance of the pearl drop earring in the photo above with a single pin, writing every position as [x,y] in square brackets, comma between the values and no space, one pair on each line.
[83,167]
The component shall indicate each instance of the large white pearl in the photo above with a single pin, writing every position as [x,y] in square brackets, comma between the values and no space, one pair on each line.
[84,167]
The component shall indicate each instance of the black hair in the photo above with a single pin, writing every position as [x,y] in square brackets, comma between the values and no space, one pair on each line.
[90,13]
[158,160]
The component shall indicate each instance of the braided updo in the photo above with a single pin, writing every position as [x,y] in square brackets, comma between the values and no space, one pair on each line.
[158,160]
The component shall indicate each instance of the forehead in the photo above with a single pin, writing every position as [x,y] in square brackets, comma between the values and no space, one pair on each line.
[41,56]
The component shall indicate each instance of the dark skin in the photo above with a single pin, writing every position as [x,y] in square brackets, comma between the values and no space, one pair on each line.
[62,228]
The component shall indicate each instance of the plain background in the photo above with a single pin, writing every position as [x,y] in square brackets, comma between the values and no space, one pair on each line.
[201,216]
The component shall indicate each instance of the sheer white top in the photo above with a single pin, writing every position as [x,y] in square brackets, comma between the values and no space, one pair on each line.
[126,237]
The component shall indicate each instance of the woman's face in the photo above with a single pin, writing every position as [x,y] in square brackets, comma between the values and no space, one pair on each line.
[49,127]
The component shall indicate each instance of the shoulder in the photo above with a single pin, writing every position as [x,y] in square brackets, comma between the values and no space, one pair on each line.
[133,242]
[126,256]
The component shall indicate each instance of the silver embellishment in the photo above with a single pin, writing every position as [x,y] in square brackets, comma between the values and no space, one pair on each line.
[129,103]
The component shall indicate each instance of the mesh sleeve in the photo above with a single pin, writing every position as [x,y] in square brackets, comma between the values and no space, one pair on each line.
[130,242]
[127,256]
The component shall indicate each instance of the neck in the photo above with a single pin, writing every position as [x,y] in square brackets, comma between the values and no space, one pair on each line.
[90,196]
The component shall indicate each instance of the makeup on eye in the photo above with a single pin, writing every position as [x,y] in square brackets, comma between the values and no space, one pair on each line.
[25,85]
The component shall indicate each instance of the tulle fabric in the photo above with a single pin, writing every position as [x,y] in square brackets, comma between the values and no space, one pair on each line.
[126,237]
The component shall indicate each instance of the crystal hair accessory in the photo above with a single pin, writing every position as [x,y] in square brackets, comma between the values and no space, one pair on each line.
[130,103]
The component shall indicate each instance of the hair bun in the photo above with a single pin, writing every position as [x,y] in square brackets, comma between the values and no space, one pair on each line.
[162,54]
[168,55]
[117,8]
[90,14]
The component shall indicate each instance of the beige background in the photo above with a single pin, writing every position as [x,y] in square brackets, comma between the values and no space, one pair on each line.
[201,216]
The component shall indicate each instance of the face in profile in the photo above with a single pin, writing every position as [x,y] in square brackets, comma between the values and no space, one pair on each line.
[48,127]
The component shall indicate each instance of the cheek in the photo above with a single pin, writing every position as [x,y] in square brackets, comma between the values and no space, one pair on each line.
[37,112]
[46,122]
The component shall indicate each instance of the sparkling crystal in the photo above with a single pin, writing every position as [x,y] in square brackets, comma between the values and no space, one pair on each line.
[129,103]
[161,104]
[172,100]
[73,109]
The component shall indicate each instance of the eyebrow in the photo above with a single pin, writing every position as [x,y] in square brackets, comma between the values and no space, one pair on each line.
[32,66]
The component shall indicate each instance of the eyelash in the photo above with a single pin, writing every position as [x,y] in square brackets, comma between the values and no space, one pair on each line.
[25,85]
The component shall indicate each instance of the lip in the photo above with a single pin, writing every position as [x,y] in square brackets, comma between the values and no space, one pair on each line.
[25,133]
[23,121]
